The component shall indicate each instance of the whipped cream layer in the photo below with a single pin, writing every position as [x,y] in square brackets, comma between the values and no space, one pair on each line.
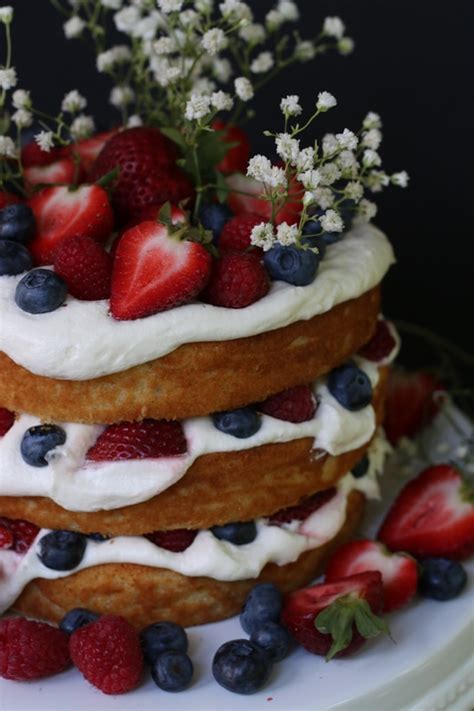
[80,485]
[207,555]
[80,340]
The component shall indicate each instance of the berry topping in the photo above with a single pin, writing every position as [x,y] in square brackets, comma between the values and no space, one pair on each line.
[32,154]
[176,540]
[38,441]
[89,148]
[22,533]
[316,237]
[350,386]
[14,258]
[31,650]
[162,637]
[61,213]
[433,515]
[172,671]
[7,419]
[381,344]
[361,468]
[149,439]
[274,639]
[157,268]
[296,404]
[237,280]
[62,550]
[76,618]
[410,404]
[292,264]
[237,533]
[241,423]
[399,571]
[40,291]
[441,579]
[235,237]
[86,268]
[335,619]
[237,157]
[263,604]
[304,509]
[108,654]
[17,223]
[213,217]
[8,199]
[6,538]
[241,666]
[63,171]
[246,196]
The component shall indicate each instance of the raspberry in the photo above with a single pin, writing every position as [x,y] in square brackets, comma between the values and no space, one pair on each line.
[108,653]
[380,345]
[237,280]
[31,650]
[176,541]
[305,508]
[296,404]
[139,440]
[22,532]
[235,236]
[85,266]
[7,419]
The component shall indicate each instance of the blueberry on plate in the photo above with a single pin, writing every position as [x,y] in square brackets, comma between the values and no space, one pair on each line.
[361,468]
[14,258]
[241,666]
[263,604]
[172,671]
[62,550]
[350,386]
[76,618]
[213,217]
[237,533]
[273,638]
[441,579]
[162,637]
[291,264]
[40,291]
[241,423]
[17,222]
[38,441]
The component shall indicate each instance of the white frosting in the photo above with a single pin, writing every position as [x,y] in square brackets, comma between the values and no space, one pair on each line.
[206,556]
[81,340]
[80,485]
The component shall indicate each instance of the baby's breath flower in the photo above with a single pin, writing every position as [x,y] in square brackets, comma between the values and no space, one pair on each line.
[377,180]
[325,101]
[400,179]
[188,19]
[74,27]
[146,28]
[274,20]
[164,45]
[22,118]
[262,63]
[371,158]
[367,210]
[73,101]
[305,51]
[324,197]
[134,121]
[346,160]
[82,127]
[203,85]
[372,120]
[308,198]
[121,96]
[6,14]
[164,72]
[262,236]
[305,159]
[253,33]
[289,10]
[8,78]
[214,40]
[235,10]
[345,46]
[21,99]
[111,4]
[243,88]
[198,106]
[204,6]
[372,138]
[126,19]
[354,190]
[330,144]
[287,234]
[310,179]
[347,139]
[222,101]
[168,6]
[259,167]
[331,221]
[45,140]
[334,27]
[329,173]
[287,147]
[290,105]
[222,70]
[7,147]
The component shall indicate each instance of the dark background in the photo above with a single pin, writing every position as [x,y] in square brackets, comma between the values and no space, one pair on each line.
[412,65]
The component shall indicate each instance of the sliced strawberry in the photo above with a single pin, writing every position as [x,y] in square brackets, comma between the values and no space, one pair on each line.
[238,155]
[335,619]
[399,571]
[89,148]
[296,404]
[432,516]
[381,344]
[301,511]
[85,266]
[61,212]
[150,439]
[62,171]
[32,154]
[8,199]
[7,419]
[23,533]
[410,404]
[176,541]
[6,538]
[245,196]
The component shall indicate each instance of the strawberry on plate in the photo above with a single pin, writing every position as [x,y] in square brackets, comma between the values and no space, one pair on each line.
[410,403]
[399,571]
[61,212]
[433,515]
[63,171]
[237,157]
[245,196]
[335,619]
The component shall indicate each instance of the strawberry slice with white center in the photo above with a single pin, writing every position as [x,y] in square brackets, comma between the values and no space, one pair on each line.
[157,268]
[399,571]
[245,196]
[89,148]
[61,171]
[63,212]
[432,516]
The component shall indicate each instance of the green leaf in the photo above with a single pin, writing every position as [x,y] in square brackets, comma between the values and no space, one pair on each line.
[222,190]
[174,135]
[107,181]
[164,215]
[368,623]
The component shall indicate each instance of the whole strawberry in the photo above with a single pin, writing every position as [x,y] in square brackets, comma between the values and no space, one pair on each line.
[235,235]
[410,404]
[108,653]
[238,279]
[31,650]
[85,266]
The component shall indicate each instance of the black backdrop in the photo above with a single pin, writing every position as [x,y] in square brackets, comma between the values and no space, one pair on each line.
[411,65]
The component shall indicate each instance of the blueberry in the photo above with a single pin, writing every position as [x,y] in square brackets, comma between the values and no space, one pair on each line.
[40,291]
[332,237]
[162,637]
[347,209]
[241,666]
[172,671]
[38,441]
[62,550]
[17,223]
[441,579]
[213,216]
[314,228]
[76,618]
[14,258]
[361,468]
[274,639]
[350,386]
[292,264]
[237,533]
[263,604]
[241,423]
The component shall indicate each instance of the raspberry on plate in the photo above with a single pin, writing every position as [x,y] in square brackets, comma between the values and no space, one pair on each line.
[31,650]
[296,404]
[86,268]
[237,280]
